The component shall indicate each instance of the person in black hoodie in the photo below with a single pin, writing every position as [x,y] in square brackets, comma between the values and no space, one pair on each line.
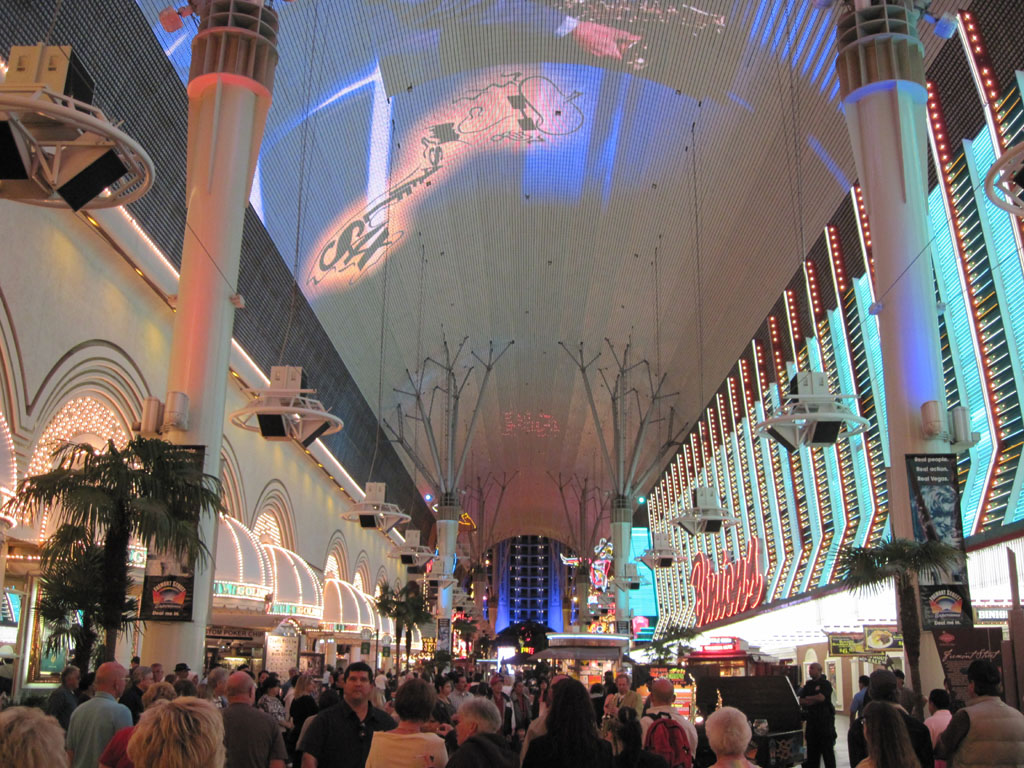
[883,687]
[480,743]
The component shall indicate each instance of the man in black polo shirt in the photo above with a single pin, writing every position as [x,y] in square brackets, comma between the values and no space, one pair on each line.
[339,737]
[816,699]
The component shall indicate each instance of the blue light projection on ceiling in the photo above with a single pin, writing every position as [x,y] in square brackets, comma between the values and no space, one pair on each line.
[561,102]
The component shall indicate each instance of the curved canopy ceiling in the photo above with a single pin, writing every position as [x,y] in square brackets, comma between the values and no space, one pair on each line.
[547,171]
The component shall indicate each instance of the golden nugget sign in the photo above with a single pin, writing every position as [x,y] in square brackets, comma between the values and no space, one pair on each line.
[296,609]
[242,591]
[737,587]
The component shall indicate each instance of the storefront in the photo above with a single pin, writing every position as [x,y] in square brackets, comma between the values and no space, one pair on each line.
[242,588]
[350,617]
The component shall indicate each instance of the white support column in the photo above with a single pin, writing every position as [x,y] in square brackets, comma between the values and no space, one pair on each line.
[448,513]
[229,92]
[622,524]
[881,73]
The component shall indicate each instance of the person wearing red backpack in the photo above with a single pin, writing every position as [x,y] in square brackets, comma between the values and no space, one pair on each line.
[665,731]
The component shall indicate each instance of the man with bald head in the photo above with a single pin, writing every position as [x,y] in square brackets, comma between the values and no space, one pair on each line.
[252,738]
[94,722]
[663,694]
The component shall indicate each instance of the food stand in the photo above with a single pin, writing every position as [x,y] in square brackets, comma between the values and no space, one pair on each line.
[731,657]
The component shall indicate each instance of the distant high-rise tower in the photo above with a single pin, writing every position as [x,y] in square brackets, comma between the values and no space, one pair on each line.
[530,583]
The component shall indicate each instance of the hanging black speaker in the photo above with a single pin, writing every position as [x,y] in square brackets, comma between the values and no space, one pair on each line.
[12,161]
[92,179]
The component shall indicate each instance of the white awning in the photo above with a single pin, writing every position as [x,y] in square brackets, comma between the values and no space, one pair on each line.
[297,590]
[242,570]
[348,609]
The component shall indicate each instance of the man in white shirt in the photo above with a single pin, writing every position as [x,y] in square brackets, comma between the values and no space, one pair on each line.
[662,695]
[461,693]
[939,713]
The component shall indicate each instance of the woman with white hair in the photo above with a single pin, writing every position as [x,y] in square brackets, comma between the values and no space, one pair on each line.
[729,735]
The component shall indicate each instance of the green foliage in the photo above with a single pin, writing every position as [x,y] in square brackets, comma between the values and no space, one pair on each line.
[902,562]
[407,607]
[869,568]
[151,491]
[672,644]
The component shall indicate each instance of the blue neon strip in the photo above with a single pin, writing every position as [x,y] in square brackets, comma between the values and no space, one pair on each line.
[739,479]
[965,361]
[833,484]
[794,30]
[873,353]
[808,27]
[766,32]
[751,474]
[825,26]
[785,25]
[773,517]
[757,19]
[858,446]
[1005,262]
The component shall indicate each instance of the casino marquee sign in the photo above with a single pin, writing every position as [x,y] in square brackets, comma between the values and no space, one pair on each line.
[736,587]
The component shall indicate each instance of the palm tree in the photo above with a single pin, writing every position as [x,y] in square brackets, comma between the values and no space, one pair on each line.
[70,600]
[902,561]
[673,643]
[406,606]
[151,490]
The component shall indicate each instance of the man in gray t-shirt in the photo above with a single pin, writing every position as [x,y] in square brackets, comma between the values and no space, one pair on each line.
[252,738]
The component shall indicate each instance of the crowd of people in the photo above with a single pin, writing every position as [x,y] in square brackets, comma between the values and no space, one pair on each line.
[354,718]
[891,728]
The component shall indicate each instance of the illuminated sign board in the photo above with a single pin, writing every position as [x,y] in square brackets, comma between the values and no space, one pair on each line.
[737,587]
[241,591]
[296,609]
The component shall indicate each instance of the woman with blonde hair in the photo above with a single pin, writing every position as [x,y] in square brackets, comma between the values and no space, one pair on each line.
[887,738]
[183,733]
[115,755]
[30,738]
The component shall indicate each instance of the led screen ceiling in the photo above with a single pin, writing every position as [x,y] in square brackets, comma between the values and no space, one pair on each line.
[530,171]
[797,509]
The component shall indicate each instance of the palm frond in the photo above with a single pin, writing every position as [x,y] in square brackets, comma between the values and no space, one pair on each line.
[871,568]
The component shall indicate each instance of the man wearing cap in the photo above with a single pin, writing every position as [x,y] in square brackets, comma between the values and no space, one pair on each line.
[986,731]
[883,686]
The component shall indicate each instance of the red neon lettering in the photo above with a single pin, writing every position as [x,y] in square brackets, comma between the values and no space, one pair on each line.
[738,587]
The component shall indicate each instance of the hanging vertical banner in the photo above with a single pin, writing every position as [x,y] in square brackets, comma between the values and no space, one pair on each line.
[444,635]
[935,509]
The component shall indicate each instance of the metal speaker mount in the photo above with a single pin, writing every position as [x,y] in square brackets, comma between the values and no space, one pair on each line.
[661,555]
[1007,175]
[285,410]
[411,553]
[56,148]
[810,415]
[707,515]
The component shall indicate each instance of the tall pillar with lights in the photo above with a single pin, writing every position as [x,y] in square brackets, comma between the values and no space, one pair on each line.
[884,97]
[449,511]
[234,56]
[622,529]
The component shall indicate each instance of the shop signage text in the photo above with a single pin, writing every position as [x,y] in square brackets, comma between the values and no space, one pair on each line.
[737,587]
[295,609]
[242,591]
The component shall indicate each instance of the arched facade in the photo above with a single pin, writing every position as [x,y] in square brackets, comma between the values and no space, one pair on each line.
[273,512]
[233,491]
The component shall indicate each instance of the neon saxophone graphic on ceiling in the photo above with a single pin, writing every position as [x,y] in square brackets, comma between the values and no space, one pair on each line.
[512,110]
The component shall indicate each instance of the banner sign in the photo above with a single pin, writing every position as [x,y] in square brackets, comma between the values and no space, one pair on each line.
[444,635]
[959,647]
[282,654]
[945,605]
[935,510]
[881,637]
[846,645]
[167,598]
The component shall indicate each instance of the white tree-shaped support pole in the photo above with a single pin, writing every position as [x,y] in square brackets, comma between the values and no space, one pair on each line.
[445,461]
[483,500]
[628,470]
[585,508]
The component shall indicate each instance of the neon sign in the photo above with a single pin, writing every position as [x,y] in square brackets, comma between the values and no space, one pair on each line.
[738,587]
